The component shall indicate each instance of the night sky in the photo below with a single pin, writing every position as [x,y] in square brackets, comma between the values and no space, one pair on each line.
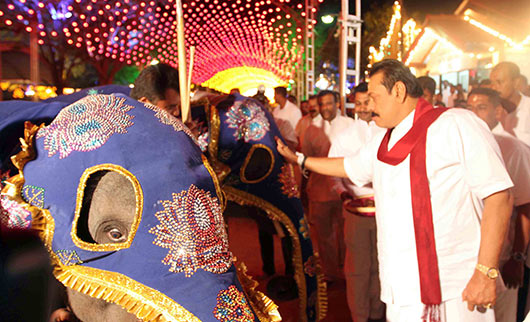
[416,8]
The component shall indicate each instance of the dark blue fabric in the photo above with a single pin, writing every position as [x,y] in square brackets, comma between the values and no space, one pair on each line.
[164,161]
[270,188]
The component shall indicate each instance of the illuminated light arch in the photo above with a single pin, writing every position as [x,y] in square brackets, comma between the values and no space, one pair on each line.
[246,79]
[226,33]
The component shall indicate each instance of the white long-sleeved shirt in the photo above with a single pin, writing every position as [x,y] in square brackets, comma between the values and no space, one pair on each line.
[464,166]
[347,143]
[316,143]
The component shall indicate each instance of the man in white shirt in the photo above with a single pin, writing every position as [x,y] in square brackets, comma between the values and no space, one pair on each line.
[312,117]
[285,110]
[363,289]
[486,104]
[443,201]
[286,115]
[325,208]
[504,80]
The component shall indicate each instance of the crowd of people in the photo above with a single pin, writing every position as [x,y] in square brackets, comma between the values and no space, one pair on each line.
[420,200]
[450,187]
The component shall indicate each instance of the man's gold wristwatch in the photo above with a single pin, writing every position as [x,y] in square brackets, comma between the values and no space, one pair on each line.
[490,272]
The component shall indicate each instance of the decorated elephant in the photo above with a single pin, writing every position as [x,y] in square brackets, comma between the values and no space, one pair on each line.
[130,212]
[240,144]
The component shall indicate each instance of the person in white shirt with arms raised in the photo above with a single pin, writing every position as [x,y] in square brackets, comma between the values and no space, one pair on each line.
[443,201]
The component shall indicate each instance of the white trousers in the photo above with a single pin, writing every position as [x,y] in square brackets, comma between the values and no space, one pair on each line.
[454,310]
[506,305]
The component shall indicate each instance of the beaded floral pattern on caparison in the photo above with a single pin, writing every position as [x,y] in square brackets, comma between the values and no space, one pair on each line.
[192,228]
[33,195]
[13,215]
[68,257]
[232,306]
[249,120]
[86,125]
[168,119]
[289,185]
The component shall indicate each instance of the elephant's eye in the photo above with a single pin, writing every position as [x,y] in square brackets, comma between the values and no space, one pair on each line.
[116,236]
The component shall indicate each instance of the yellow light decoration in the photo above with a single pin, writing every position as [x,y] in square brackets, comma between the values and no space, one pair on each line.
[18,93]
[244,78]
[495,33]
[429,33]
[378,55]
[446,42]
[410,32]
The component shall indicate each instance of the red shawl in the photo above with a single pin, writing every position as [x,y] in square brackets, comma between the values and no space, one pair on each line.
[413,143]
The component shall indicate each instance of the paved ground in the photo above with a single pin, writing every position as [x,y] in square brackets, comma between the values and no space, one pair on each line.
[243,236]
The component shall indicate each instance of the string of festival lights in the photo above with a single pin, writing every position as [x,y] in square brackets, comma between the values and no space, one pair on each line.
[226,34]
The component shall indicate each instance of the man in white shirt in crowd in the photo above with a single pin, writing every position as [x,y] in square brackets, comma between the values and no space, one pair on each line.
[360,264]
[443,201]
[312,117]
[486,104]
[325,208]
[504,80]
[286,115]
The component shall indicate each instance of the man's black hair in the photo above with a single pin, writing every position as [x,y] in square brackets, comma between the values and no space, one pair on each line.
[394,71]
[153,82]
[361,88]
[427,83]
[328,92]
[281,91]
[493,96]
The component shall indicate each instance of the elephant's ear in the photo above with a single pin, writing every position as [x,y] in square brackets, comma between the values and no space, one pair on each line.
[258,164]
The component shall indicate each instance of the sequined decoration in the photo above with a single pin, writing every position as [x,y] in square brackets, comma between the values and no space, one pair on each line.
[68,257]
[310,267]
[203,141]
[248,119]
[232,306]
[13,215]
[86,125]
[33,195]
[92,91]
[168,119]
[303,229]
[232,180]
[192,228]
[224,155]
[289,185]
[3,178]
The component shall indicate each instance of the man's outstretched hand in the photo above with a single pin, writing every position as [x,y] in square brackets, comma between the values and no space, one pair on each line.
[286,153]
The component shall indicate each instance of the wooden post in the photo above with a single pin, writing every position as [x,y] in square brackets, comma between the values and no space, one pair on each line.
[34,59]
[190,72]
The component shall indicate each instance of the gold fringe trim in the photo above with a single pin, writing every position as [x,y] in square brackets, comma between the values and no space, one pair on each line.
[221,169]
[265,308]
[139,204]
[322,290]
[244,198]
[144,302]
[247,160]
[138,299]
